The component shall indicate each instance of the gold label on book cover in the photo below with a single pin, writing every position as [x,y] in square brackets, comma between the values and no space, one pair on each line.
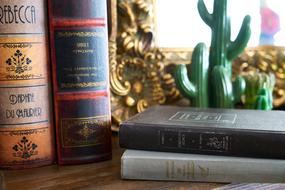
[25,145]
[205,117]
[86,66]
[23,60]
[188,170]
[84,132]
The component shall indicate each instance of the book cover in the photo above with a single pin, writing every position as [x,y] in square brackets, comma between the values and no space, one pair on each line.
[231,132]
[2,182]
[26,126]
[152,165]
[79,49]
[252,186]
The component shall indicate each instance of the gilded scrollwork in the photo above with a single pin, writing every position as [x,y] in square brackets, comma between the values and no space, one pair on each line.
[118,87]
[138,75]
[177,55]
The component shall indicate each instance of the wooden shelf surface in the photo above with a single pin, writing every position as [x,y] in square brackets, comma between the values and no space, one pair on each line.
[101,175]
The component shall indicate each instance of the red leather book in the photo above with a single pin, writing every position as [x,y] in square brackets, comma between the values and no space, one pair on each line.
[26,135]
[79,49]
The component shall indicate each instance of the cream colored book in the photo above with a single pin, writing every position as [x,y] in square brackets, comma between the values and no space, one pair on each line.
[150,165]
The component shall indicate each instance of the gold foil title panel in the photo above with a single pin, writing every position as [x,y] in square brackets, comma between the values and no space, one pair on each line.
[23,59]
[84,132]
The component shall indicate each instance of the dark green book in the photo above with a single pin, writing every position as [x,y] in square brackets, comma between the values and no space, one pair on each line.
[232,132]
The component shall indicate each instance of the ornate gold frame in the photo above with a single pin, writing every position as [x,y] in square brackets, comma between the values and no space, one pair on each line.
[141,74]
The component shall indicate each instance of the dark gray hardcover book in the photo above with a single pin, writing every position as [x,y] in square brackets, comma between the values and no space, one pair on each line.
[232,132]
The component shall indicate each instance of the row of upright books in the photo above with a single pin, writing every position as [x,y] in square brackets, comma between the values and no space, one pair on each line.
[209,145]
[53,78]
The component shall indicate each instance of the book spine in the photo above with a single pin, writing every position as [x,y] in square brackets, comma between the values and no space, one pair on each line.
[26,133]
[79,49]
[201,140]
[148,165]
[2,181]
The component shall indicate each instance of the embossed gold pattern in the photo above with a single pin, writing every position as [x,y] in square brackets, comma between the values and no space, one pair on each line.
[82,131]
[86,131]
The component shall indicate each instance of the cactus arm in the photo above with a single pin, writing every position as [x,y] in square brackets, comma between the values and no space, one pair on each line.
[271,85]
[199,74]
[223,92]
[238,45]
[259,89]
[263,100]
[183,83]
[261,103]
[204,13]
[239,86]
[192,80]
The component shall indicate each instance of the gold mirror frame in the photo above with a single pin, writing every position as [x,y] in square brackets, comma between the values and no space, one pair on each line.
[140,73]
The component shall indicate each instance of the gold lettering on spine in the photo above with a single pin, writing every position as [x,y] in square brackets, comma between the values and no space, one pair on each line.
[167,169]
[25,123]
[187,170]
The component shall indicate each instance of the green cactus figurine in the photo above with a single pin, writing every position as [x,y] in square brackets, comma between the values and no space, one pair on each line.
[258,93]
[196,89]
[221,91]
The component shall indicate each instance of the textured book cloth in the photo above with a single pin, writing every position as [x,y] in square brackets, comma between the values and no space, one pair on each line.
[2,182]
[252,133]
[79,51]
[253,186]
[152,165]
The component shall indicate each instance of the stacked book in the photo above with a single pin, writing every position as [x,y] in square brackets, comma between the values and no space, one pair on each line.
[198,144]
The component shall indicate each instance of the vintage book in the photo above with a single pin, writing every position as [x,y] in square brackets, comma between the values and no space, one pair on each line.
[79,49]
[2,181]
[230,132]
[26,129]
[253,186]
[152,165]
